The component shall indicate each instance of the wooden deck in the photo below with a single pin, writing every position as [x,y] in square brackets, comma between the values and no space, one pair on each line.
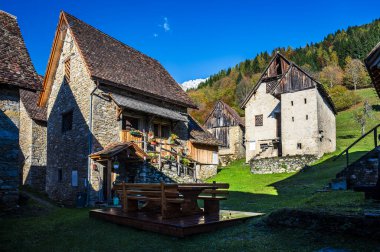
[179,227]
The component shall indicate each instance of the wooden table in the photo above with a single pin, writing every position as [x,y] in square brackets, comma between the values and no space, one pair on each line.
[190,195]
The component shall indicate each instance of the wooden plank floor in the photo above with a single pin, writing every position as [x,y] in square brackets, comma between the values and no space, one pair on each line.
[179,227]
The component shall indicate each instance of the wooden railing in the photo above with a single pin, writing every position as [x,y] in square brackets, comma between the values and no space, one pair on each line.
[165,151]
[346,151]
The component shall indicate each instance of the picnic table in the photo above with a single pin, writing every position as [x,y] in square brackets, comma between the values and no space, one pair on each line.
[190,195]
[172,200]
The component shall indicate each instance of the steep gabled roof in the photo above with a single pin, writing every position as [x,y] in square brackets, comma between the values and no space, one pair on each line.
[16,67]
[372,62]
[114,63]
[200,135]
[278,82]
[231,111]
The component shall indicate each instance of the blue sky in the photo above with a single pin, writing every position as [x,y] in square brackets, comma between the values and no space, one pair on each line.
[193,39]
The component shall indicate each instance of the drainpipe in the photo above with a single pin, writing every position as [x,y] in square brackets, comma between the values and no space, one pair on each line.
[90,144]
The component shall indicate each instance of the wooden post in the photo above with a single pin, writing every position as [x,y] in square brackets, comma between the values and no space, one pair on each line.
[178,167]
[159,157]
[375,137]
[124,198]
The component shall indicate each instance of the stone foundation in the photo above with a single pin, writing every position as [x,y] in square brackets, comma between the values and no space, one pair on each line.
[281,164]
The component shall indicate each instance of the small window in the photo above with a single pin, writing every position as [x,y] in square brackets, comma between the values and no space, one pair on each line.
[67,71]
[299,146]
[259,120]
[165,131]
[74,178]
[130,123]
[60,175]
[305,100]
[67,121]
[292,118]
[291,103]
[307,117]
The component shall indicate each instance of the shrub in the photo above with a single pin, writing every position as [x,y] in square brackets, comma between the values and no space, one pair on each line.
[343,98]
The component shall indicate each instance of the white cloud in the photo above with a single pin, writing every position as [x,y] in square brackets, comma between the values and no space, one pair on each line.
[166,25]
[155,35]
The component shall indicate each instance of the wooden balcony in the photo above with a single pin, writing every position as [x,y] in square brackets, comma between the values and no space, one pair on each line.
[126,136]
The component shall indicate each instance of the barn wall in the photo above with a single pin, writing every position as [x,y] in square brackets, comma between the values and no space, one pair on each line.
[326,126]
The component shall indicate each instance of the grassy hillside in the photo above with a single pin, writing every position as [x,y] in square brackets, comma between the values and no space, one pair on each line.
[329,61]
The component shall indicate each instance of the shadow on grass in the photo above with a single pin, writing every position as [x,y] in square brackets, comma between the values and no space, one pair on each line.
[300,190]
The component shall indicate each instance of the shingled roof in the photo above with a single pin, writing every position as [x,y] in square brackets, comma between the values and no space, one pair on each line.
[30,99]
[114,63]
[16,67]
[200,135]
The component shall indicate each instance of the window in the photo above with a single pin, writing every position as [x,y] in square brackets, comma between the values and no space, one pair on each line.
[161,130]
[291,103]
[299,146]
[67,71]
[259,120]
[130,122]
[67,121]
[60,175]
[215,157]
[307,117]
[292,118]
[305,100]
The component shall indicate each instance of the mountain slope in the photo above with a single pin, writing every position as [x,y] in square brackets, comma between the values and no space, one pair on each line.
[320,59]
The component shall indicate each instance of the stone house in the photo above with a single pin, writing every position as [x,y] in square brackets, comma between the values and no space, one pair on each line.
[225,124]
[288,113]
[102,95]
[22,122]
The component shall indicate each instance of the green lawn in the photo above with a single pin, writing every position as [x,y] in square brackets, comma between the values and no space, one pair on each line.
[70,229]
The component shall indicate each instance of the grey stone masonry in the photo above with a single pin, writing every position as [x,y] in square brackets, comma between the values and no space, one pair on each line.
[281,164]
[9,147]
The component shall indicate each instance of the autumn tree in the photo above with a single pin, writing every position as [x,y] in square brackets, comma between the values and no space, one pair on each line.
[363,115]
[331,75]
[355,74]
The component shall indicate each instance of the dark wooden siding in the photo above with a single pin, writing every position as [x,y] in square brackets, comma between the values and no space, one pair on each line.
[219,121]
[294,80]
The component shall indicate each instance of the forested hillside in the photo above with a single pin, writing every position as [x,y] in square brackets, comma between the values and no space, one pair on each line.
[337,62]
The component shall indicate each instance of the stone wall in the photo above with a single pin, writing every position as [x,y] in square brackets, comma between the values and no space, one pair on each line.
[299,123]
[281,164]
[204,172]
[326,126]
[264,104]
[356,225]
[68,151]
[33,146]
[9,147]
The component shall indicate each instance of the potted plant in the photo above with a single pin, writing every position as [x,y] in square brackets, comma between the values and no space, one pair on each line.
[153,141]
[150,135]
[185,161]
[136,133]
[172,138]
[153,156]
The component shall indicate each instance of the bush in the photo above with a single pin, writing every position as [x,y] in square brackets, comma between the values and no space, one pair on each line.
[343,98]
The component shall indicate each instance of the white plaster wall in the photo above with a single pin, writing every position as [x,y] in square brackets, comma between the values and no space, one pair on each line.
[265,104]
[327,124]
[301,130]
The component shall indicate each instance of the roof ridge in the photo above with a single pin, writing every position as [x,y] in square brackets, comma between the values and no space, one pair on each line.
[9,14]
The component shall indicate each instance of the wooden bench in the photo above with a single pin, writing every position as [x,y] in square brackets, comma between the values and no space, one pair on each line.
[212,197]
[163,198]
